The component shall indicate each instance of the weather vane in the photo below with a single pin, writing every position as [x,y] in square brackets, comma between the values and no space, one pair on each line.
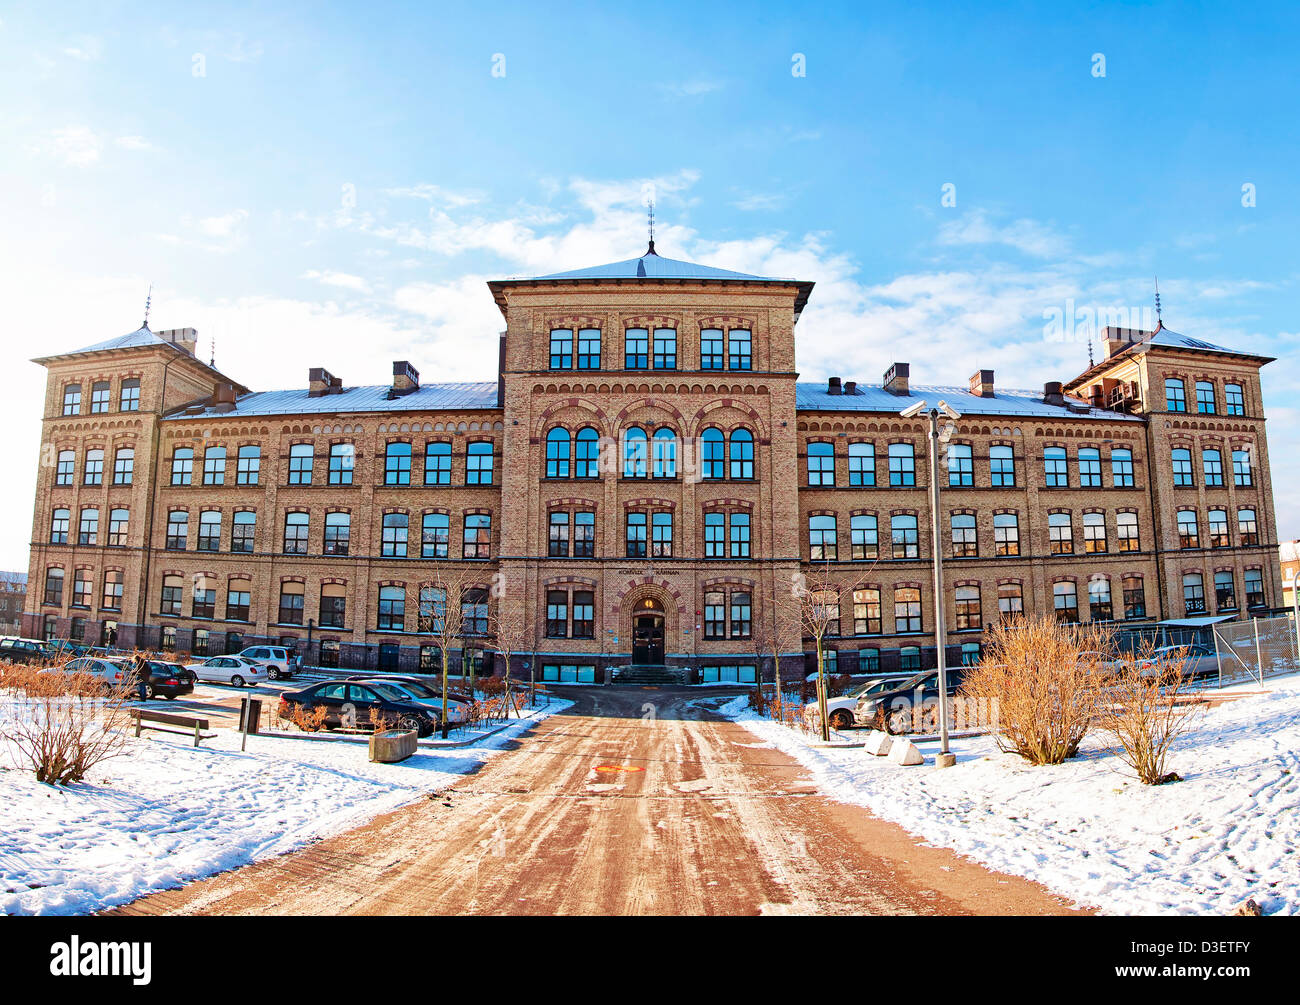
[147,300]
[1158,320]
[651,207]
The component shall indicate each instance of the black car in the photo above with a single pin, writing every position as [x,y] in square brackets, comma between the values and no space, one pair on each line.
[421,688]
[17,650]
[891,710]
[350,702]
[168,680]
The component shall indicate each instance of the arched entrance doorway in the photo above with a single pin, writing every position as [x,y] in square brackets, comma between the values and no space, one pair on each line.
[648,633]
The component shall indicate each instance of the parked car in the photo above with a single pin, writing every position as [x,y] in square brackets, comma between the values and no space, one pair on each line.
[841,710]
[344,699]
[116,672]
[457,708]
[278,660]
[421,686]
[1197,661]
[234,670]
[20,650]
[65,647]
[891,709]
[168,680]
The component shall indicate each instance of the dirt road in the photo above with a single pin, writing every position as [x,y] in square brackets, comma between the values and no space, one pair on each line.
[633,802]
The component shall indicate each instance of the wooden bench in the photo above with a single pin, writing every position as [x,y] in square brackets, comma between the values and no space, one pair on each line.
[191,726]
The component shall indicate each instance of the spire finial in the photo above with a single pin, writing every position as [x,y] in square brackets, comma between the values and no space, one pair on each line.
[1159,322]
[212,351]
[651,214]
[147,301]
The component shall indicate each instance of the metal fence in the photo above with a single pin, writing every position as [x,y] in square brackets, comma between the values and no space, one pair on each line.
[1256,649]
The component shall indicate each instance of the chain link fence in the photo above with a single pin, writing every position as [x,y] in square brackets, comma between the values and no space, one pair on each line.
[1255,649]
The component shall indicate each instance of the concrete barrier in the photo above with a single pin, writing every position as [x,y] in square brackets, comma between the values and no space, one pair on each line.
[905,752]
[878,743]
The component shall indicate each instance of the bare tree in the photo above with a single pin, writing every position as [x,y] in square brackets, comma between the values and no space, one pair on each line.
[515,634]
[815,603]
[442,617]
[772,637]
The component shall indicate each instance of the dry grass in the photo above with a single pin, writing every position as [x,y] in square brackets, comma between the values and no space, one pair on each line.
[59,726]
[1147,711]
[1046,682]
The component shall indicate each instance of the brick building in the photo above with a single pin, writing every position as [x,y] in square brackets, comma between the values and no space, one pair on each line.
[643,480]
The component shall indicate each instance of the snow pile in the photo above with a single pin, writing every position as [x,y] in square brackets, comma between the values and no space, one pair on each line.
[165,813]
[1088,829]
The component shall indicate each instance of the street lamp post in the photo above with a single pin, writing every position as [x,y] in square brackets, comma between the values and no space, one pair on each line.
[945,758]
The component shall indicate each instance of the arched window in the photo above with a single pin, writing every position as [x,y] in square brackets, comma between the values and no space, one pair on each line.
[557,453]
[587,457]
[437,463]
[742,453]
[338,533]
[665,453]
[392,609]
[635,449]
[711,453]
[396,528]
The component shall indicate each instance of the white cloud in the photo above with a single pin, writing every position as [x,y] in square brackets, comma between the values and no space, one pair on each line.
[1029,236]
[133,143]
[343,280]
[76,146]
[220,234]
[86,48]
[690,88]
[761,201]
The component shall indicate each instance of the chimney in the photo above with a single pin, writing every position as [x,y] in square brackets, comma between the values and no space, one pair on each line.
[896,379]
[182,338]
[981,383]
[833,386]
[321,381]
[1096,397]
[406,378]
[223,397]
[1052,393]
[850,387]
[1117,339]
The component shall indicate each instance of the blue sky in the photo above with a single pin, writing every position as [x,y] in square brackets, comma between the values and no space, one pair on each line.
[313,185]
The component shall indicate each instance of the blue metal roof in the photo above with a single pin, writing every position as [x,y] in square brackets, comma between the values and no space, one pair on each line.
[142,336]
[476,394]
[654,266]
[1012,404]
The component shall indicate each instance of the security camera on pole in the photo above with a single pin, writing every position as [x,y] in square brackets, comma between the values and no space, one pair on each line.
[945,758]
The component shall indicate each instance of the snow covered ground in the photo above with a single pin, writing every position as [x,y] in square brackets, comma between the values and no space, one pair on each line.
[166,813]
[1089,829]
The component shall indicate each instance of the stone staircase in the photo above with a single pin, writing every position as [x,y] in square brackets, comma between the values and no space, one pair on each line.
[649,675]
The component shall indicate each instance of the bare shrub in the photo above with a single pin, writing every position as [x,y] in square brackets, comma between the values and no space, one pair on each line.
[308,720]
[380,721]
[1046,681]
[59,726]
[1147,709]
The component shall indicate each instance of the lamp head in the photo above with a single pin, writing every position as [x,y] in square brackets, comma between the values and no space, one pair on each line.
[911,411]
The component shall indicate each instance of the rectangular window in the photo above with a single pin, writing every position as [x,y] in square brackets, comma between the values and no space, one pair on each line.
[435,533]
[1121,467]
[1099,607]
[561,348]
[479,464]
[902,464]
[302,458]
[715,615]
[172,594]
[636,535]
[822,543]
[392,609]
[558,536]
[967,601]
[342,462]
[397,464]
[1193,593]
[1089,467]
[965,544]
[72,399]
[124,466]
[584,614]
[238,602]
[863,536]
[821,464]
[1255,588]
[1216,522]
[248,467]
[130,397]
[1241,468]
[182,466]
[557,614]
[1182,463]
[1233,399]
[1205,397]
[903,532]
[437,464]
[866,612]
[1011,602]
[661,541]
[636,349]
[862,464]
[1126,531]
[81,588]
[711,349]
[1065,601]
[214,466]
[1225,591]
[204,604]
[333,607]
[1175,395]
[741,616]
[1060,533]
[112,591]
[66,470]
[59,524]
[1006,534]
[715,529]
[584,535]
[588,348]
[1188,536]
[178,523]
[209,531]
[1002,466]
[338,533]
[241,534]
[1246,527]
[94,467]
[665,349]
[478,536]
[394,535]
[961,466]
[1212,467]
[907,610]
[99,395]
[296,527]
[1054,467]
[89,530]
[54,587]
[1135,604]
[740,349]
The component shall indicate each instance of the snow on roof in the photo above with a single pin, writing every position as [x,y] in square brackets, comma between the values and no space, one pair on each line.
[142,336]
[476,394]
[655,266]
[874,398]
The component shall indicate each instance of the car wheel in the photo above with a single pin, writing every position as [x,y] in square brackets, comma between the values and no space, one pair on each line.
[841,719]
[149,692]
[276,673]
[237,680]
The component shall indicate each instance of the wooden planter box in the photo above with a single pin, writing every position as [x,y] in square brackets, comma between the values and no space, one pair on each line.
[392,746]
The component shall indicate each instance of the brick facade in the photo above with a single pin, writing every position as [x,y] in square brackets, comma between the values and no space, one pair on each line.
[768,426]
